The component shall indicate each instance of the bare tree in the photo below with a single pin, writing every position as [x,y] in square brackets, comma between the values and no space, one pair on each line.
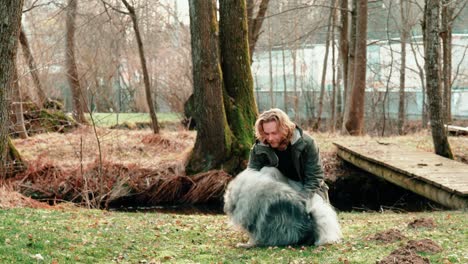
[255,24]
[28,57]
[448,15]
[149,100]
[350,66]
[10,12]
[325,65]
[72,70]
[355,121]
[17,106]
[433,82]
[404,34]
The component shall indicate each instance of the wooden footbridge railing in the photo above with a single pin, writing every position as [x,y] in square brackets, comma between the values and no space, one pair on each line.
[439,179]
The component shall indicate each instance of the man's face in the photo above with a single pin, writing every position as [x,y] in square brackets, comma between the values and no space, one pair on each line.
[272,134]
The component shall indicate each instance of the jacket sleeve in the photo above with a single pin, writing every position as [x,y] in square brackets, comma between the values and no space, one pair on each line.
[313,171]
[254,160]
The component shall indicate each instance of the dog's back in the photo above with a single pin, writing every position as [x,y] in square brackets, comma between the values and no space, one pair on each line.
[269,210]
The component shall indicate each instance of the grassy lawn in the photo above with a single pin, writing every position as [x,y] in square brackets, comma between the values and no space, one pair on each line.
[74,235]
[110,119]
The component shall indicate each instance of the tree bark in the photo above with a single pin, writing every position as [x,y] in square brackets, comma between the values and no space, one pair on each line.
[355,121]
[344,47]
[446,35]
[214,137]
[270,65]
[433,82]
[285,88]
[72,70]
[351,66]
[324,69]
[239,100]
[10,14]
[404,39]
[18,106]
[28,57]
[255,24]
[141,52]
[333,102]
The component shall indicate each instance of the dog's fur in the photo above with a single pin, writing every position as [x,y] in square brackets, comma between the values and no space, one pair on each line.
[273,213]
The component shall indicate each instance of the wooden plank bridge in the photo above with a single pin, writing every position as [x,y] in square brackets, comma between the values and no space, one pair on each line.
[437,178]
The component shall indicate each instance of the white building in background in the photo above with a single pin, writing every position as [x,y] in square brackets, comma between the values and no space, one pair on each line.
[383,70]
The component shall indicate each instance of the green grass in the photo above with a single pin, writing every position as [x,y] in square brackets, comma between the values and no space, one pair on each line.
[93,236]
[110,119]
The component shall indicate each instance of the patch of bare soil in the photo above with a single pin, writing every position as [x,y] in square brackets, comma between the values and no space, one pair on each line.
[408,253]
[424,245]
[404,257]
[387,236]
[13,199]
[422,223]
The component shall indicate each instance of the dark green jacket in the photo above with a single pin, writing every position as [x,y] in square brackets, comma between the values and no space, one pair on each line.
[306,159]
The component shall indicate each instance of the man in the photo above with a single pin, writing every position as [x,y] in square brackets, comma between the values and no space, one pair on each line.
[281,198]
[283,145]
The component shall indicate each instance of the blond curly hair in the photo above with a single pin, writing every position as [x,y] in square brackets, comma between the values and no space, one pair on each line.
[285,126]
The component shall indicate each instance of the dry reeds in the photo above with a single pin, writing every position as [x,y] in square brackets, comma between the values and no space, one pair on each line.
[207,186]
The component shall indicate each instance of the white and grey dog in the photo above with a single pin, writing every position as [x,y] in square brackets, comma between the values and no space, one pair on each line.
[274,213]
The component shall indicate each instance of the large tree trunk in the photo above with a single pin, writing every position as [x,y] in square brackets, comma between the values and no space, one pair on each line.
[431,53]
[214,137]
[404,39]
[149,100]
[10,14]
[351,65]
[255,24]
[72,71]
[355,121]
[28,57]
[239,100]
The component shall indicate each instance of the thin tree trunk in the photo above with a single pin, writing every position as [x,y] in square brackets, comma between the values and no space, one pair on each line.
[212,144]
[355,122]
[296,96]
[18,107]
[324,69]
[239,100]
[423,85]
[334,86]
[446,35]
[28,57]
[432,48]
[141,52]
[339,97]
[389,77]
[285,88]
[255,24]
[344,48]
[10,14]
[404,40]
[72,71]
[351,65]
[270,64]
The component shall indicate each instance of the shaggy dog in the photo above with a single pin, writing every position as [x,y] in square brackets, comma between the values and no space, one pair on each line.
[274,213]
